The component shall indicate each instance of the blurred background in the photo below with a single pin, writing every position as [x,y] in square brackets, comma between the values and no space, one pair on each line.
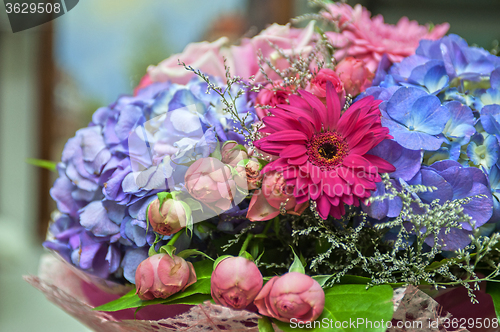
[53,77]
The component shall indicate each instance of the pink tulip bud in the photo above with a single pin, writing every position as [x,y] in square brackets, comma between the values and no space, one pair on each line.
[169,218]
[211,182]
[162,275]
[355,75]
[236,281]
[293,295]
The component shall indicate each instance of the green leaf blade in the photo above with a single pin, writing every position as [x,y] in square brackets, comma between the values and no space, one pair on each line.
[493,288]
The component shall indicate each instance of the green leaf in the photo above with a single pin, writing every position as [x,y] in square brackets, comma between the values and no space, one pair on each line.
[167,249]
[265,325]
[322,279]
[297,264]
[129,300]
[47,164]
[437,264]
[192,252]
[246,254]
[163,196]
[349,279]
[152,251]
[350,308]
[191,300]
[220,259]
[217,152]
[203,269]
[493,288]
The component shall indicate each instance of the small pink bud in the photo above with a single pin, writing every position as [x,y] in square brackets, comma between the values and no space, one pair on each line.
[293,295]
[355,75]
[162,275]
[236,281]
[167,219]
[232,154]
[317,86]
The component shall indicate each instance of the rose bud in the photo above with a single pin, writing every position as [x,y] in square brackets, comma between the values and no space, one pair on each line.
[169,218]
[211,182]
[271,96]
[293,295]
[249,173]
[274,198]
[317,86]
[355,75]
[162,275]
[232,154]
[235,282]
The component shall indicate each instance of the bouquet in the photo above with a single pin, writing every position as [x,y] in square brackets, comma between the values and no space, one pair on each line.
[344,175]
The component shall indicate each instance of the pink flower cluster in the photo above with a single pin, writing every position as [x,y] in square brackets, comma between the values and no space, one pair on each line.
[369,38]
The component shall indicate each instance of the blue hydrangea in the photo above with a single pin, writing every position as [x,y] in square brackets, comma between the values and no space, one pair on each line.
[444,102]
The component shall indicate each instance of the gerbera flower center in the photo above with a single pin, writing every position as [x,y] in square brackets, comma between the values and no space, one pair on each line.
[327,150]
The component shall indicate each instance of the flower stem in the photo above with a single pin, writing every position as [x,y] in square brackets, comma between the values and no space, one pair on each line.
[246,243]
[174,238]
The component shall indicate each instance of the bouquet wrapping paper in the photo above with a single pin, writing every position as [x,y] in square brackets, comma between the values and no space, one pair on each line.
[78,293]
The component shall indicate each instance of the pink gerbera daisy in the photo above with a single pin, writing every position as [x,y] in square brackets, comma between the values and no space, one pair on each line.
[322,153]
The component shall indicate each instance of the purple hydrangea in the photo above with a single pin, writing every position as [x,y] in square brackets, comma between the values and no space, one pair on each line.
[111,171]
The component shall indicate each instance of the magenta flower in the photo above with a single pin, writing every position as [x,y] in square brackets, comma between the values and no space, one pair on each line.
[235,282]
[162,275]
[323,155]
[367,39]
[293,295]
[271,95]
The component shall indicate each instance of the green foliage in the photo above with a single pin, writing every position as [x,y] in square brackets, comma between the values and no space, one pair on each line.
[47,164]
[265,325]
[493,288]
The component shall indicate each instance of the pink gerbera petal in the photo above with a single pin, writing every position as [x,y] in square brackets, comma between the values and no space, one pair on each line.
[323,154]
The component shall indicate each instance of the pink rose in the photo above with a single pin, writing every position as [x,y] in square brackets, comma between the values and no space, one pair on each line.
[235,282]
[145,81]
[355,75]
[293,295]
[367,39]
[271,96]
[242,60]
[274,195]
[317,86]
[169,218]
[211,182]
[162,275]
[245,59]
[205,56]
